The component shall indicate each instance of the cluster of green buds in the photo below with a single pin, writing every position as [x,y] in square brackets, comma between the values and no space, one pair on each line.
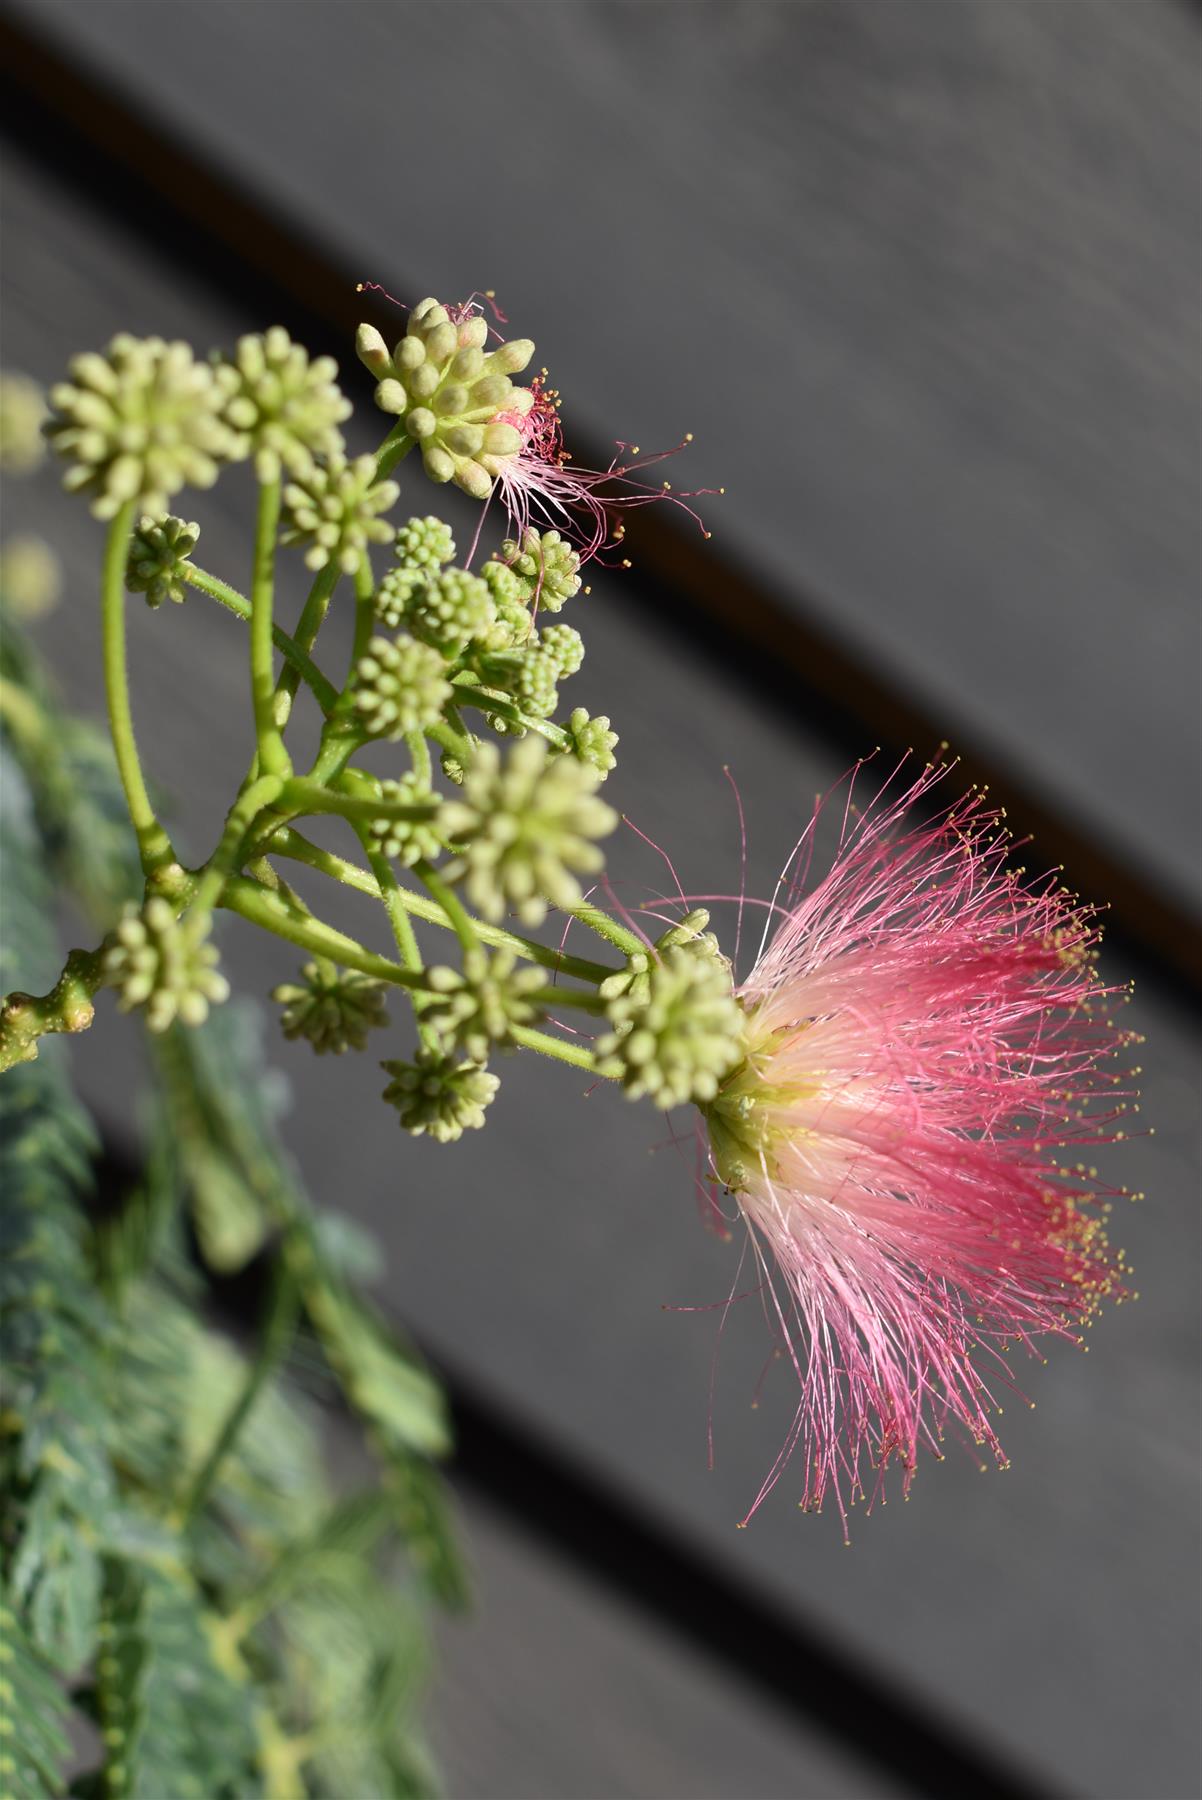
[454,395]
[469,662]
[163,965]
[676,1027]
[331,1008]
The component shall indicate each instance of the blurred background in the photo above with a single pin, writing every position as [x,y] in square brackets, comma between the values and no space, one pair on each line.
[922,282]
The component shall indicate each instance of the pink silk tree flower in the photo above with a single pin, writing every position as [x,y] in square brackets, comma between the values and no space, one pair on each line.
[928,1044]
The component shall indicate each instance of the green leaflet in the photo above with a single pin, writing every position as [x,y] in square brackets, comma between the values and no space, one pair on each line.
[33,1745]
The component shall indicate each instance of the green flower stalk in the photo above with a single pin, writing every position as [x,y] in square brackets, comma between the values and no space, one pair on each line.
[399,686]
[437,1096]
[332,1008]
[336,509]
[525,829]
[163,965]
[159,552]
[455,397]
[285,410]
[478,1008]
[139,423]
[678,1030]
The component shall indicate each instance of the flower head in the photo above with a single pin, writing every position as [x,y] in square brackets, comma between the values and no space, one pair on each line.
[333,1008]
[336,509]
[284,408]
[525,828]
[476,1007]
[453,393]
[924,1058]
[158,551]
[141,422]
[408,841]
[22,410]
[164,965]
[438,1095]
[399,685]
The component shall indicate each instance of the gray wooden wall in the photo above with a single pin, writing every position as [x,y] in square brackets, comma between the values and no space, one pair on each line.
[921,281]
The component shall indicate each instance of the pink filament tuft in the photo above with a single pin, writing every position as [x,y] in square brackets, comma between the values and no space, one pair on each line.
[926,1043]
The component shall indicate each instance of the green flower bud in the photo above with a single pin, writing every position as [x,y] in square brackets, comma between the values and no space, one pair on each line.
[22,411]
[406,841]
[424,544]
[333,1008]
[434,1094]
[284,409]
[546,565]
[513,623]
[479,1007]
[448,609]
[452,767]
[450,390]
[140,423]
[564,646]
[678,1037]
[335,511]
[536,686]
[31,577]
[634,981]
[592,740]
[158,550]
[399,685]
[164,965]
[393,596]
[526,828]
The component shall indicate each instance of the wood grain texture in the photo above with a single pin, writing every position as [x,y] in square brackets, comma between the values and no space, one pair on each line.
[921,279]
[1051,1611]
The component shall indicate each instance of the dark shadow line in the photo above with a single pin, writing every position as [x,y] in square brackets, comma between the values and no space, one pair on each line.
[131,167]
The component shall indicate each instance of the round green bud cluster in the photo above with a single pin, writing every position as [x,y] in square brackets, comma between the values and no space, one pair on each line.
[22,411]
[513,623]
[449,390]
[524,830]
[284,409]
[31,577]
[479,1007]
[425,544]
[166,966]
[537,685]
[394,594]
[592,740]
[407,841]
[333,1008]
[546,565]
[677,1032]
[335,510]
[564,646]
[158,550]
[448,609]
[399,685]
[141,422]
[438,1096]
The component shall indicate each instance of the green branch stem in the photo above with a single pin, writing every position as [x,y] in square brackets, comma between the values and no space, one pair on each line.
[628,942]
[306,796]
[470,695]
[69,1006]
[154,846]
[297,848]
[273,758]
[324,691]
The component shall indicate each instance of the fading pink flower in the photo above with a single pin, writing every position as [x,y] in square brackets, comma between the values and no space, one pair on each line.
[927,1035]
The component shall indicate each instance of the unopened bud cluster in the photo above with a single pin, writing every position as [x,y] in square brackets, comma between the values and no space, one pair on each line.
[285,409]
[334,1009]
[336,510]
[159,552]
[164,966]
[439,1096]
[677,1029]
[454,395]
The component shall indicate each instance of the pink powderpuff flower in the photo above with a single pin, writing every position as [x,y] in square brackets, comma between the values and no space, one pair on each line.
[927,1040]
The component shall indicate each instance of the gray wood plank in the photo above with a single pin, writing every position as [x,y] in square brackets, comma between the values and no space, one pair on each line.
[921,279]
[1053,1610]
